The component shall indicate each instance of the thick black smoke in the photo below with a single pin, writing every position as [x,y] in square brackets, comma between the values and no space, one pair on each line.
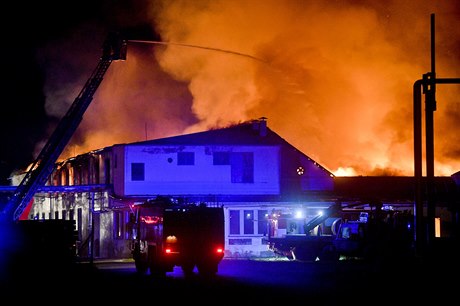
[333,77]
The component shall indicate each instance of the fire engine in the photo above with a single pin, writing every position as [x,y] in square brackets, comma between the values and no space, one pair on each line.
[167,233]
[344,233]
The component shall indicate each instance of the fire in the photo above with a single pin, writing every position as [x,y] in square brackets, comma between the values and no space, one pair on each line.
[345,172]
[335,79]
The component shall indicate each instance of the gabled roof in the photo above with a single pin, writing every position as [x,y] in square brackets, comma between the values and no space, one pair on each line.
[247,133]
[252,133]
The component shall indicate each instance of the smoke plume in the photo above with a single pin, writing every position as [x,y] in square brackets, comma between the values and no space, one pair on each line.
[334,78]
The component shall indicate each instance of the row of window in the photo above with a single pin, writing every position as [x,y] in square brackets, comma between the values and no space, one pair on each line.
[242,222]
[241,163]
[65,215]
[254,222]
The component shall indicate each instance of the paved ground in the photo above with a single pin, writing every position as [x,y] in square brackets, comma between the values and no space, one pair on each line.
[242,282]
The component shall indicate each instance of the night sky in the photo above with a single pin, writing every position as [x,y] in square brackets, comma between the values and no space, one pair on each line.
[334,78]
[50,49]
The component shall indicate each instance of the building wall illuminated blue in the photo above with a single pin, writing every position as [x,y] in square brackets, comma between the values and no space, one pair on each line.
[247,168]
[151,169]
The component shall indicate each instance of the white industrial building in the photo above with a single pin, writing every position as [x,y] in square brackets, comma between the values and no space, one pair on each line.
[247,168]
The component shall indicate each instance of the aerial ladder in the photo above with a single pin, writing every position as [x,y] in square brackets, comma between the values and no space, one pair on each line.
[114,48]
[320,218]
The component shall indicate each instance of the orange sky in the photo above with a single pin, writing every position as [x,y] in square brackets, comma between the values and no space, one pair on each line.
[335,79]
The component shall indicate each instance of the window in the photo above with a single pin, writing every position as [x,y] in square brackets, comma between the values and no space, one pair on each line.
[79,222]
[221,158]
[137,171]
[248,222]
[118,225]
[107,171]
[234,222]
[185,158]
[242,167]
[262,222]
[96,177]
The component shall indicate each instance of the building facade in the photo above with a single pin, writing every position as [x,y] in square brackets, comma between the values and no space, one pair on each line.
[247,168]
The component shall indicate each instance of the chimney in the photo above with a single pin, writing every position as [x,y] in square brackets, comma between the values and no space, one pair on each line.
[263,126]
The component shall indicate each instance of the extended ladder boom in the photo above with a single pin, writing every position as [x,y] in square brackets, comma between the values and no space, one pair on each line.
[320,218]
[114,48]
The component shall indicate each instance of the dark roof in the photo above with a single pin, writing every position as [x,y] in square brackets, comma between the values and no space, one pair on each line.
[247,133]
[251,133]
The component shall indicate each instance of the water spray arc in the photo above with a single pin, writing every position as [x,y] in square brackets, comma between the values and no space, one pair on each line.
[198,47]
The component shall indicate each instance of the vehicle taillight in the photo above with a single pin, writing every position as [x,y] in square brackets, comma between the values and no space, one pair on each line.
[219,250]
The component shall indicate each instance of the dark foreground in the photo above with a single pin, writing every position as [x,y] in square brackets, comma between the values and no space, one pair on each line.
[240,282]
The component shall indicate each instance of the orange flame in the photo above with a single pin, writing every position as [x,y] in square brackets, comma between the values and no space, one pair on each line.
[335,81]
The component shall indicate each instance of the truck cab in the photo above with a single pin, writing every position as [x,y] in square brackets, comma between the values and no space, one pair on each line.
[350,240]
[167,234]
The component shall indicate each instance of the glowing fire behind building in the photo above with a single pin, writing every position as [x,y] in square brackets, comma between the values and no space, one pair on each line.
[333,77]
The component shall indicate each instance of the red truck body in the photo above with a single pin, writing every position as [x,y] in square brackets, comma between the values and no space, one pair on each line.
[168,235]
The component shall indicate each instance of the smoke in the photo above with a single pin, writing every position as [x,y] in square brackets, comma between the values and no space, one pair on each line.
[334,78]
[337,76]
[135,101]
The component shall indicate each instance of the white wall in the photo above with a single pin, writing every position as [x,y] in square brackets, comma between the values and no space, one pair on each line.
[164,176]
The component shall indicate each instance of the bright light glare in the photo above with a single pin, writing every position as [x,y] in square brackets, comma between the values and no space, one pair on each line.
[347,171]
[299,214]
[171,239]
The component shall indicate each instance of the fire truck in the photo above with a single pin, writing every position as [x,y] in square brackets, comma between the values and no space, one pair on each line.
[372,233]
[167,233]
